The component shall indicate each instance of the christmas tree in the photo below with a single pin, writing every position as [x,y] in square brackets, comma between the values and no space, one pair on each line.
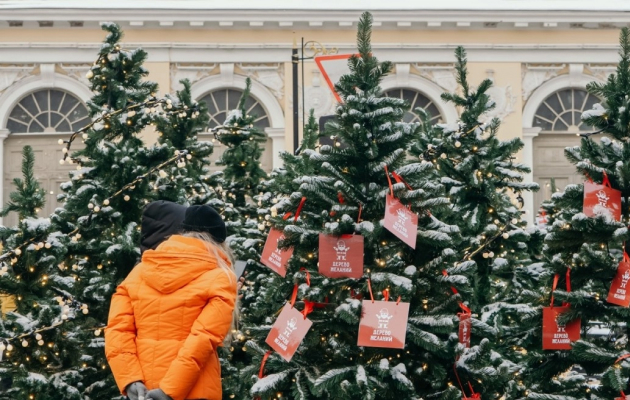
[585,251]
[258,291]
[90,244]
[345,200]
[112,190]
[178,130]
[485,183]
[36,354]
[241,158]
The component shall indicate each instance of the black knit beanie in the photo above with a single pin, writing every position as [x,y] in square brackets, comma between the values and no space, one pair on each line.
[205,219]
[160,219]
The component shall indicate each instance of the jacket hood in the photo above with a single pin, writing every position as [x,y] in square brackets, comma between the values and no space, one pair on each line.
[160,219]
[177,262]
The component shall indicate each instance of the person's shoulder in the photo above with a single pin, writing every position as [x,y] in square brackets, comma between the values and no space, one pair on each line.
[218,278]
[134,276]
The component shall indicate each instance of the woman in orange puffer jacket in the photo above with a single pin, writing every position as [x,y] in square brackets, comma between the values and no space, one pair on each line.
[172,312]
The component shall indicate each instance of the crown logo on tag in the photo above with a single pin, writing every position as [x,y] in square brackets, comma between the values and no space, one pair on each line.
[561,327]
[383,318]
[603,198]
[402,215]
[341,248]
[291,327]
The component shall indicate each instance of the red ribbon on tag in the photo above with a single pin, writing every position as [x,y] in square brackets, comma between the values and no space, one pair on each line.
[389,182]
[461,387]
[386,294]
[299,209]
[360,209]
[556,278]
[295,286]
[294,295]
[588,177]
[340,197]
[622,358]
[308,307]
[605,180]
[399,179]
[452,287]
[308,276]
[261,373]
[370,288]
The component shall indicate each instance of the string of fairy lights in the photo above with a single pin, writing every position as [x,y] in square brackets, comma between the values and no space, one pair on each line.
[70,307]
[65,300]
[148,106]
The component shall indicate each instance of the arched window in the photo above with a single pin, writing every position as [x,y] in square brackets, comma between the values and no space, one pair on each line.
[222,101]
[559,116]
[561,111]
[49,111]
[416,99]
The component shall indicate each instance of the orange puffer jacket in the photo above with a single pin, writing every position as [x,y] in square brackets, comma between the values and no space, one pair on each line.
[167,319]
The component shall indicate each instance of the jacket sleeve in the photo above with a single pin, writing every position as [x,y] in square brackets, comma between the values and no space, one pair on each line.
[207,332]
[120,340]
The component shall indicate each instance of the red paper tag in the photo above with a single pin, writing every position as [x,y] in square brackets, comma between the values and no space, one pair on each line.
[383,324]
[619,289]
[341,257]
[559,337]
[601,199]
[465,325]
[272,256]
[287,332]
[400,221]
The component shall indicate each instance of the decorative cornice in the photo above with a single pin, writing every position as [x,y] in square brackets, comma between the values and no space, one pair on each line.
[341,46]
[143,18]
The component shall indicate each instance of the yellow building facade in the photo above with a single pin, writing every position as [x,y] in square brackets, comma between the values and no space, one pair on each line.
[539,60]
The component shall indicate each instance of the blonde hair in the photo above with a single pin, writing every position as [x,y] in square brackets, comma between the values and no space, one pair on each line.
[214,248]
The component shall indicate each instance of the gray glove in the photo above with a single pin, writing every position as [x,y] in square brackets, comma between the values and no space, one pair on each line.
[136,391]
[158,394]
